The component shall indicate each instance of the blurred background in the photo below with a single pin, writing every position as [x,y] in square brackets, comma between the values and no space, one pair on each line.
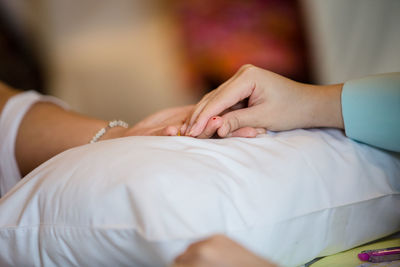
[125,59]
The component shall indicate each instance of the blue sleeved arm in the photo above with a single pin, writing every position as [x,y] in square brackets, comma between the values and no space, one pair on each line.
[371,110]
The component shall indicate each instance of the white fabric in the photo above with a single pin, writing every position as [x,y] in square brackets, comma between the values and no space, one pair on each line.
[10,119]
[139,201]
[352,39]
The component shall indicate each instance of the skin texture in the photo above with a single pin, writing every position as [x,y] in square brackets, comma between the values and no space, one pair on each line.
[269,101]
[220,251]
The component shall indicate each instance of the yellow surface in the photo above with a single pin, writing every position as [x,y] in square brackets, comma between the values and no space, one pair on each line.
[349,258]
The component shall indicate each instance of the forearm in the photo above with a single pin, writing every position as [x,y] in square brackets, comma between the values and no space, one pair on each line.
[48,130]
[324,107]
[368,109]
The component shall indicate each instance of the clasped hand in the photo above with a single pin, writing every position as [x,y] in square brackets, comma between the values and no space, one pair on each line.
[265,101]
[249,103]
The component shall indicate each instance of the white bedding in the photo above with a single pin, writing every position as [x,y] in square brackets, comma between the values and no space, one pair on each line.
[139,201]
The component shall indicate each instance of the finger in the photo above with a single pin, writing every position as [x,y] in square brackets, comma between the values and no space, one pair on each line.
[169,131]
[183,129]
[187,126]
[261,130]
[247,132]
[212,126]
[233,94]
[209,108]
[238,119]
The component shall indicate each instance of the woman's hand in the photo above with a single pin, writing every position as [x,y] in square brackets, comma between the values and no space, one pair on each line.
[270,101]
[168,122]
[164,122]
[219,251]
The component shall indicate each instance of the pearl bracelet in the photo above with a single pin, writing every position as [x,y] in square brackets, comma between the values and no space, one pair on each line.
[110,125]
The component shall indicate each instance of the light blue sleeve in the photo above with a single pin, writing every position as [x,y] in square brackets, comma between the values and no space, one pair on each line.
[371,110]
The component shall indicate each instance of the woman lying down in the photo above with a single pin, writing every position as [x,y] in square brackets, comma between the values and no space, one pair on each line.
[90,197]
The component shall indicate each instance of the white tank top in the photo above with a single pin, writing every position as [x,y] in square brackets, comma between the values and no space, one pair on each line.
[10,119]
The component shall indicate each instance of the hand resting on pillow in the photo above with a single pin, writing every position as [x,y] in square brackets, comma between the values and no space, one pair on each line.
[366,108]
[168,122]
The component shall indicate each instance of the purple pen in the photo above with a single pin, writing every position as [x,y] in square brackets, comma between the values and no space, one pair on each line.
[380,255]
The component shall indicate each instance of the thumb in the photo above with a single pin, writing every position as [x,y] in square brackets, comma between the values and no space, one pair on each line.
[238,119]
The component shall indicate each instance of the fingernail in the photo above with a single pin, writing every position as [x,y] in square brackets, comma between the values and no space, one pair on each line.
[188,130]
[260,131]
[183,129]
[192,130]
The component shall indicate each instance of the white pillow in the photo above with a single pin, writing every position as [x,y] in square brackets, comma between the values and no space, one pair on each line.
[139,201]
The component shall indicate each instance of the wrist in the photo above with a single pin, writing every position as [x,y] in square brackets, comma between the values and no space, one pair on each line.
[113,129]
[115,132]
[326,106]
